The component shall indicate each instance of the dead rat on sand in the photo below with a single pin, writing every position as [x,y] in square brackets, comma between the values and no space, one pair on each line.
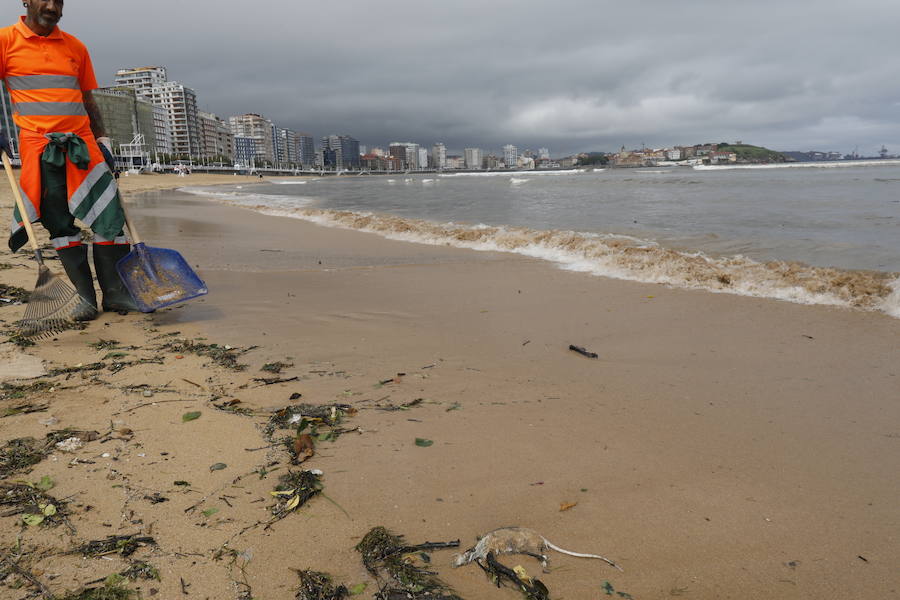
[517,540]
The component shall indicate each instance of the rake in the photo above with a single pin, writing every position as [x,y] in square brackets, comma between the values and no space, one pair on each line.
[54,302]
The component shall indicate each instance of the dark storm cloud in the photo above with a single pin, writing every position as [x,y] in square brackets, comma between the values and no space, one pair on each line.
[572,76]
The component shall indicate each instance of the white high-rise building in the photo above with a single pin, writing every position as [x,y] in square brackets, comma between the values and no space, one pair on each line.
[543,153]
[181,103]
[510,156]
[142,79]
[423,158]
[474,158]
[439,156]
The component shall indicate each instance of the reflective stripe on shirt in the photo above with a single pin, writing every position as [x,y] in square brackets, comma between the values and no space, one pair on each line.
[42,82]
[45,109]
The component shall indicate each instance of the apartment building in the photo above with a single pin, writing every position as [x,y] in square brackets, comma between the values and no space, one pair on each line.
[439,156]
[510,156]
[259,128]
[306,150]
[473,158]
[217,141]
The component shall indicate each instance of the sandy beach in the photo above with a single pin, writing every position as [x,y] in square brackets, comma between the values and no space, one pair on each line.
[718,446]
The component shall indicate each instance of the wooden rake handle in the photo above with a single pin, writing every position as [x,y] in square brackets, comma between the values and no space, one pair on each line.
[135,238]
[21,204]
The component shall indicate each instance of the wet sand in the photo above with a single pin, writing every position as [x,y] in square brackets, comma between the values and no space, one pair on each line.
[719,447]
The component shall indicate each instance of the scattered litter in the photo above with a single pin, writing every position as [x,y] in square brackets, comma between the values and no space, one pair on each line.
[583,352]
[70,444]
[423,443]
[315,585]
[328,414]
[21,453]
[567,506]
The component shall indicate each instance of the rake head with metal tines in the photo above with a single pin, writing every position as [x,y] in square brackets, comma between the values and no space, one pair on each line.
[54,306]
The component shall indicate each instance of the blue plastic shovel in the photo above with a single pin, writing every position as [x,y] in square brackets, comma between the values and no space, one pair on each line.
[157,277]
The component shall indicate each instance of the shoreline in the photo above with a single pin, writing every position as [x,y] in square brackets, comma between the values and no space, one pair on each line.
[616,256]
[719,446]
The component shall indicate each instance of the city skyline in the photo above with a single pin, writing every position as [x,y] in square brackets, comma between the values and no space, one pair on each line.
[585,77]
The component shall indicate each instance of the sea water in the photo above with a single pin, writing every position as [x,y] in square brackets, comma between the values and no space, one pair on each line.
[817,233]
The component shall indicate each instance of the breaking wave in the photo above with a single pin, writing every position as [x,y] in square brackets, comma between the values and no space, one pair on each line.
[512,173]
[807,165]
[619,257]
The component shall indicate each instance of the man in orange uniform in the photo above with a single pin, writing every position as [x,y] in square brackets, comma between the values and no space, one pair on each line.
[65,174]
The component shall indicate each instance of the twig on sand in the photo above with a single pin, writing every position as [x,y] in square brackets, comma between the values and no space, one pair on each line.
[25,574]
[134,408]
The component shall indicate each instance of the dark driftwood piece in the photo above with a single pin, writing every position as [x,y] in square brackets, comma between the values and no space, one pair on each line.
[582,351]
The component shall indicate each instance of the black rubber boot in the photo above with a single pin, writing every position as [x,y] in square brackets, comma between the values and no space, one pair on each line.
[75,261]
[115,296]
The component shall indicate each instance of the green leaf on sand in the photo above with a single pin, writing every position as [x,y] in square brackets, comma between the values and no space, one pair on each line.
[423,443]
[210,512]
[358,589]
[183,483]
[190,416]
[33,520]
[218,467]
[45,484]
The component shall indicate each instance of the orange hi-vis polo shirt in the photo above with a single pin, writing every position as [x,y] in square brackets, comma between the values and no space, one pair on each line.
[45,77]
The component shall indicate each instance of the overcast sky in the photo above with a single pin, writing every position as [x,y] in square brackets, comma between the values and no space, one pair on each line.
[569,75]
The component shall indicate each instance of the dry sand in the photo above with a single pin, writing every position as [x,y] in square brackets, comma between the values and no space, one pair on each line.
[719,447]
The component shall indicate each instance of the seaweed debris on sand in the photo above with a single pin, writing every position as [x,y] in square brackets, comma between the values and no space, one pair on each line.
[21,453]
[315,585]
[224,356]
[294,489]
[398,567]
[126,545]
[33,503]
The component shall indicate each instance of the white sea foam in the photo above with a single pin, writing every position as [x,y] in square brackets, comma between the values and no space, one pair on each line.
[250,200]
[512,173]
[615,256]
[805,165]
[289,182]
[518,180]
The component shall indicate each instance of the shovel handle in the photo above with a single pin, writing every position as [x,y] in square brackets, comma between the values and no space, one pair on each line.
[20,203]
[135,238]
